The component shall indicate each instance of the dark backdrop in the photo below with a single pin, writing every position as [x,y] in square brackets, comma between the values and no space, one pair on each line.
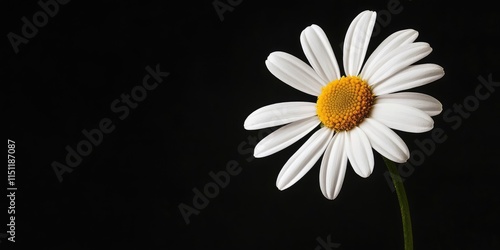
[73,74]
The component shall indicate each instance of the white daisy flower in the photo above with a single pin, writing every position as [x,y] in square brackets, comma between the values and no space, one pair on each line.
[356,111]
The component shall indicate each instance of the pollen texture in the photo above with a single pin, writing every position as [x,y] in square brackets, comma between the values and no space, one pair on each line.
[344,103]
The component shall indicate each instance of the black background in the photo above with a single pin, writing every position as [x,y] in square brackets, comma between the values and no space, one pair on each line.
[126,192]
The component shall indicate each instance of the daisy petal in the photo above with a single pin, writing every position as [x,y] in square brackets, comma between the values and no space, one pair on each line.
[411,77]
[356,41]
[398,59]
[426,103]
[359,152]
[319,53]
[385,141]
[294,72]
[285,136]
[333,167]
[402,117]
[393,41]
[304,159]
[279,114]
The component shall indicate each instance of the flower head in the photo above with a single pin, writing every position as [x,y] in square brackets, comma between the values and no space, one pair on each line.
[356,111]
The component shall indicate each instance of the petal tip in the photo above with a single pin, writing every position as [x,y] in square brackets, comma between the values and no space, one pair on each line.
[368,12]
[281,186]
[249,123]
[439,109]
[369,173]
[442,71]
[330,197]
[414,32]
[246,125]
[257,154]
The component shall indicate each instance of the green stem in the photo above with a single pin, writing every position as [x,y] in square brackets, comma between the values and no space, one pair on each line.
[403,203]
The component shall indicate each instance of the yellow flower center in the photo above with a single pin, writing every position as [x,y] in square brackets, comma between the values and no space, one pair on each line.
[344,103]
